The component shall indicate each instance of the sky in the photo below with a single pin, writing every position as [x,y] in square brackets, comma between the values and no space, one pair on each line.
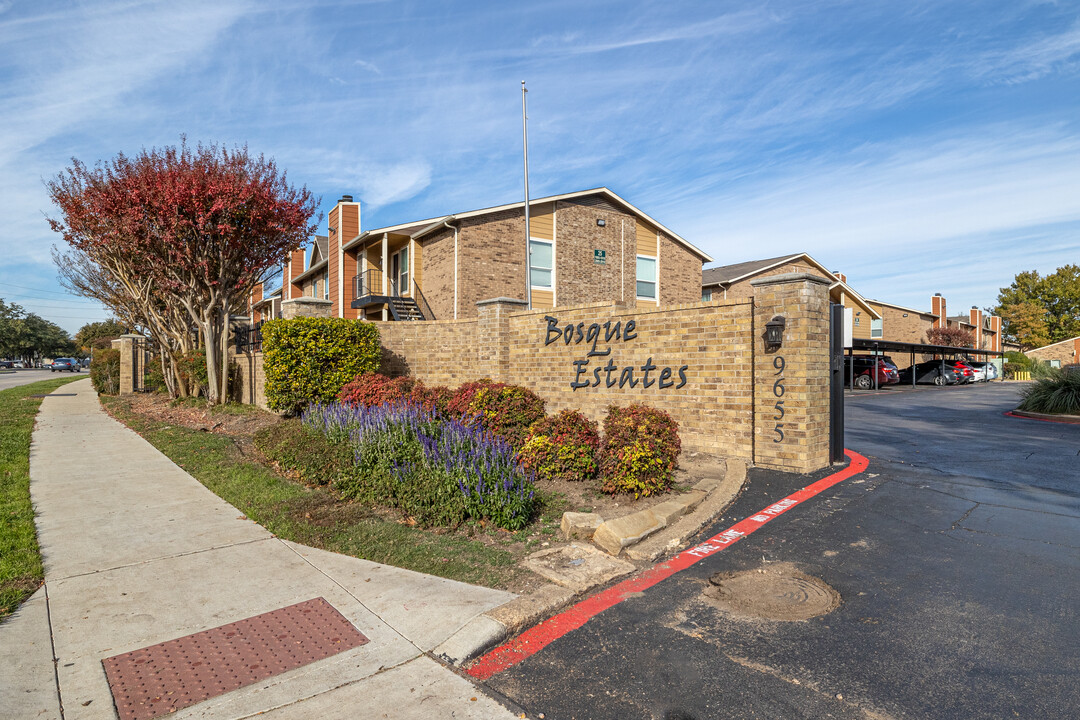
[916,146]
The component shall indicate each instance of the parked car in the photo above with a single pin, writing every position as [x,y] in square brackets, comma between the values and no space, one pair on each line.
[984,371]
[62,364]
[6,364]
[18,364]
[866,366]
[929,372]
[963,371]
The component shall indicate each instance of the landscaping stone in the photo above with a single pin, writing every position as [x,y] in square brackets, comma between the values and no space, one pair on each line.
[577,567]
[579,525]
[530,608]
[616,534]
[669,510]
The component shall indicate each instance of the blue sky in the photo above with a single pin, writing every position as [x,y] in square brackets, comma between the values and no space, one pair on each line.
[919,147]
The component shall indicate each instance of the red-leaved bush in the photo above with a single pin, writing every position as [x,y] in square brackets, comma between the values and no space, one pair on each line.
[374,389]
[507,411]
[562,447]
[640,450]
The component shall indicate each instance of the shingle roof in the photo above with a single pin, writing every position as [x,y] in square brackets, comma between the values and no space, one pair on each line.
[727,273]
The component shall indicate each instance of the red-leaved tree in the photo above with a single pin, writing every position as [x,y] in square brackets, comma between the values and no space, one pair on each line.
[200,227]
[953,336]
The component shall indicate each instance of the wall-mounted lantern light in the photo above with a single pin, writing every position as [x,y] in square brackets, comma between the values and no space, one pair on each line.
[774,332]
[601,222]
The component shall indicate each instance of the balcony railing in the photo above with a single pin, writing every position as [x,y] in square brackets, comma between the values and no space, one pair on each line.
[370,284]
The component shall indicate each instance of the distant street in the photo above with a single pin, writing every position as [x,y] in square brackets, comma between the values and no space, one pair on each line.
[956,557]
[24,377]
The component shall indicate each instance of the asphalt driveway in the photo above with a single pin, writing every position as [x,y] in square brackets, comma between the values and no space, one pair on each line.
[956,556]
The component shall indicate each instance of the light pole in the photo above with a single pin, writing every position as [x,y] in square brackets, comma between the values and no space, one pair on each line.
[528,243]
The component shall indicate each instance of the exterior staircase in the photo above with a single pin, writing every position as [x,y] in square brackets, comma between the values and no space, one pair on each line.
[405,308]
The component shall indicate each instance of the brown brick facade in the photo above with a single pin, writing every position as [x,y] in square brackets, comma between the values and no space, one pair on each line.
[578,278]
[1065,352]
[680,273]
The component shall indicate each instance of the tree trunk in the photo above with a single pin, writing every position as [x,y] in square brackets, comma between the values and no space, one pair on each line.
[225,356]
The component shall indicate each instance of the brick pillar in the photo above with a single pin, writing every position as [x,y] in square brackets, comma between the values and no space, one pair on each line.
[131,362]
[798,441]
[492,336]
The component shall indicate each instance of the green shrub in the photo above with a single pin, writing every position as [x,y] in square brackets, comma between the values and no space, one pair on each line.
[1041,370]
[640,450]
[507,411]
[562,447]
[316,458]
[105,371]
[310,359]
[1017,358]
[191,366]
[153,378]
[1054,395]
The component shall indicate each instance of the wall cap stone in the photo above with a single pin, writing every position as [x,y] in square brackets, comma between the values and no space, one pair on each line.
[790,278]
[307,301]
[503,301]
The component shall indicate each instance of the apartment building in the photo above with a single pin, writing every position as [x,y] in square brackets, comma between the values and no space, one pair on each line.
[587,246]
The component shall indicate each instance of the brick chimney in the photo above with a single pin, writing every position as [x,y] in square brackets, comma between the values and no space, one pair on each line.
[842,276]
[343,224]
[937,307]
[294,267]
[975,317]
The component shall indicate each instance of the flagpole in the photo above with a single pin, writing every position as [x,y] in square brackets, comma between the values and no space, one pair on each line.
[525,143]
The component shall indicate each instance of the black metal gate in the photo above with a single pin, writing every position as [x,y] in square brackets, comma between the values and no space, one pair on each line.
[836,383]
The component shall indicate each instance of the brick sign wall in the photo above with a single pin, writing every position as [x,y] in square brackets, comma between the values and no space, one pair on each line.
[706,363]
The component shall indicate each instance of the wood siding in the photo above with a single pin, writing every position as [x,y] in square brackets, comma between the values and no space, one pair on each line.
[542,221]
[646,239]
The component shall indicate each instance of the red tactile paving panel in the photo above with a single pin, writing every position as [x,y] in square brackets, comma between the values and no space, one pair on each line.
[163,678]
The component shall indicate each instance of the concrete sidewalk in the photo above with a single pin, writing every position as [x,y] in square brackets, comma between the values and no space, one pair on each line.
[138,552]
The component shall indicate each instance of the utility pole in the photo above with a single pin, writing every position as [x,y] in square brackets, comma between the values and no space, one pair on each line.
[528,244]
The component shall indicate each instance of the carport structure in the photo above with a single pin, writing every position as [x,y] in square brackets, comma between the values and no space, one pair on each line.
[877,347]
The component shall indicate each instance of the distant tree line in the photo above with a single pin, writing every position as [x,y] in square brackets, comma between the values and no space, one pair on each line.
[28,337]
[1039,310]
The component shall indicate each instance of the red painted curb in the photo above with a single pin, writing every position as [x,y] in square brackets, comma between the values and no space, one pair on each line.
[540,636]
[1019,415]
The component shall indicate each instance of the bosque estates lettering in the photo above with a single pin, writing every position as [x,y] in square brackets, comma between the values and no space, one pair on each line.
[609,374]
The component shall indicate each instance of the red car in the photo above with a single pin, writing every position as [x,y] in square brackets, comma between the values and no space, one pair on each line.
[964,373]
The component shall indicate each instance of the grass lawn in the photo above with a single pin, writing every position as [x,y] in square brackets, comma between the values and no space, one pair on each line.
[21,572]
[313,516]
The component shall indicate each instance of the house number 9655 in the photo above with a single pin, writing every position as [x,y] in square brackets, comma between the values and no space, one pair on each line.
[778,390]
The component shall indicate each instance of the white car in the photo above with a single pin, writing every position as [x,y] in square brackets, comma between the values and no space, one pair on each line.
[984,371]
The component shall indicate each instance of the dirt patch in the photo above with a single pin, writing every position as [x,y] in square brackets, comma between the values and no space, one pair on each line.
[237,424]
[778,592]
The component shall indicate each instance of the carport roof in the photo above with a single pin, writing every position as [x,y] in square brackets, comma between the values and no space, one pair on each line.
[867,344]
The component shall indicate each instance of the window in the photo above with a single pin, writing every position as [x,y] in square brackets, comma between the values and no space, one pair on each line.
[326,285]
[646,278]
[706,295]
[876,328]
[540,263]
[399,270]
[1055,363]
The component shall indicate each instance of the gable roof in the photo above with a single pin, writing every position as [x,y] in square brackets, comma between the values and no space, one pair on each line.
[418,228]
[901,307]
[319,250]
[727,274]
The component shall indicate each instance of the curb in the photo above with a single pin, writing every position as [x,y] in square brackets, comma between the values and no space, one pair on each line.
[492,627]
[1045,417]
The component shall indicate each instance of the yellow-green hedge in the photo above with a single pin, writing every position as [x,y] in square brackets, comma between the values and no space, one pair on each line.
[310,359]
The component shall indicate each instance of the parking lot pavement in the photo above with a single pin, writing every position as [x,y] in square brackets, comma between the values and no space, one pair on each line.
[955,558]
